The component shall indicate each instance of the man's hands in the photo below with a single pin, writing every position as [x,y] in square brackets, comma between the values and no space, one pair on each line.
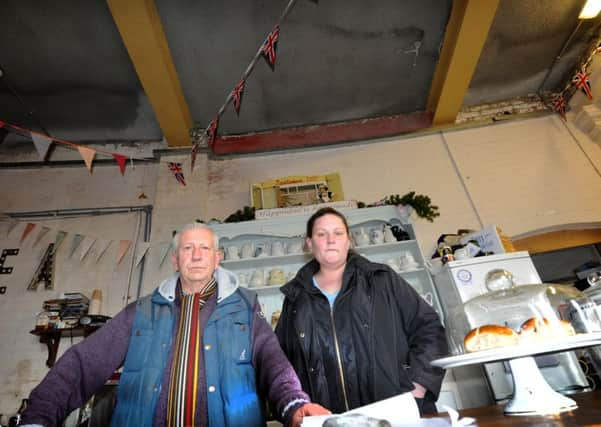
[306,410]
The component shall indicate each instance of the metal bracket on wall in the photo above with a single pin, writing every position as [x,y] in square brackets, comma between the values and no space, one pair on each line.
[5,253]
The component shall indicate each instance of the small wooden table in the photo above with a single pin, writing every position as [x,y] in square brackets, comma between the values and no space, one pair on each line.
[52,336]
[587,414]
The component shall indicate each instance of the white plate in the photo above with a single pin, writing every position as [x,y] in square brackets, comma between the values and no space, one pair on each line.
[504,353]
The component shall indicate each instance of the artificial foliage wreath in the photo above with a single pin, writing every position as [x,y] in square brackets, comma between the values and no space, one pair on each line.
[422,204]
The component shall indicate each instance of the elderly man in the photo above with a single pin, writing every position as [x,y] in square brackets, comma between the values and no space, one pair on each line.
[196,352]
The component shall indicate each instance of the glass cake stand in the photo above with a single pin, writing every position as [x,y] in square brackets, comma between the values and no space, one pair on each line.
[532,395]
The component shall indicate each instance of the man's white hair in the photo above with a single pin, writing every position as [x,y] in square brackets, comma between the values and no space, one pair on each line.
[191,226]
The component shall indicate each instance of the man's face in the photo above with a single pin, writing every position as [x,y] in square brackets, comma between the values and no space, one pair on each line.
[196,258]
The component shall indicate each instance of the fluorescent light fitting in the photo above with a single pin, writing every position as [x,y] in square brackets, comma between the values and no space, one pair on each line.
[590,10]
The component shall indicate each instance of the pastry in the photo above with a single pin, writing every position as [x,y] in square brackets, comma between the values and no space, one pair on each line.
[537,329]
[487,337]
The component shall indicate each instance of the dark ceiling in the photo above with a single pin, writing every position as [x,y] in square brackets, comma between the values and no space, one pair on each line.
[71,69]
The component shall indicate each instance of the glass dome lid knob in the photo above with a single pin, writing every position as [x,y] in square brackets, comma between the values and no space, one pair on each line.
[499,279]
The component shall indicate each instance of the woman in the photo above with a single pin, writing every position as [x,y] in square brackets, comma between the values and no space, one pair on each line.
[354,330]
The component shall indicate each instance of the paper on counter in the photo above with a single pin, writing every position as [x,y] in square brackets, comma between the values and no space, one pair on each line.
[398,410]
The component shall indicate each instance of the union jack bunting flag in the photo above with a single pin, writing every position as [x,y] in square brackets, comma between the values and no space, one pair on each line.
[212,131]
[237,95]
[176,168]
[269,47]
[559,105]
[582,82]
[193,153]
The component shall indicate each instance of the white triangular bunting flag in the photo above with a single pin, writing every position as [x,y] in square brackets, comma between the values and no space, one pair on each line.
[86,244]
[123,247]
[88,156]
[165,249]
[43,231]
[11,226]
[42,144]
[60,237]
[141,251]
[75,243]
[102,245]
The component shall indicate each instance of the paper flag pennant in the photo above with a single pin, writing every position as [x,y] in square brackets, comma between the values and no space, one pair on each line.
[176,168]
[559,105]
[193,153]
[164,250]
[42,144]
[75,243]
[141,250]
[12,223]
[582,82]
[86,244]
[237,94]
[123,247]
[28,229]
[60,237]
[102,245]
[88,155]
[41,235]
[269,47]
[212,131]
[121,161]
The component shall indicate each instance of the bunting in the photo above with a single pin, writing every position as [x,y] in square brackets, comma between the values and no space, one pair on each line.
[237,94]
[41,235]
[102,245]
[60,237]
[164,252]
[86,245]
[581,80]
[141,250]
[193,153]
[559,106]
[212,131]
[123,247]
[176,169]
[75,243]
[42,144]
[28,229]
[270,46]
[121,161]
[88,155]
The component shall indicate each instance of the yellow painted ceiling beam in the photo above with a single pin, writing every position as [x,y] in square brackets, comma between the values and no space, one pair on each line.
[464,39]
[140,27]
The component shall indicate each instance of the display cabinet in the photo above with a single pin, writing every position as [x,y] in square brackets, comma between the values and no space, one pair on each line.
[267,253]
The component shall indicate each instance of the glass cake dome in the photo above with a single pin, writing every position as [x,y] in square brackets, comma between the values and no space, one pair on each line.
[512,315]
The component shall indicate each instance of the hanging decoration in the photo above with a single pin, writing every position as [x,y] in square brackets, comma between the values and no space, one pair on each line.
[559,106]
[267,50]
[43,143]
[237,95]
[270,46]
[28,229]
[176,169]
[581,80]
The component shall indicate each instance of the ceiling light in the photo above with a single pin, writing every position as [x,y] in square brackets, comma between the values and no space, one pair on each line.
[590,10]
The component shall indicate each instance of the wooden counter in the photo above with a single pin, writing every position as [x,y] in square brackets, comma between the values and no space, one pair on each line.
[587,414]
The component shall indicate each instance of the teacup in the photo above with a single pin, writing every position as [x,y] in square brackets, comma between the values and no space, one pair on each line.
[263,249]
[247,250]
[295,246]
[257,278]
[277,248]
[407,262]
[232,252]
[276,277]
[376,236]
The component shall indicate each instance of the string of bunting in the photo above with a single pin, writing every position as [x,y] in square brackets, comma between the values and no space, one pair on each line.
[268,51]
[43,143]
[580,81]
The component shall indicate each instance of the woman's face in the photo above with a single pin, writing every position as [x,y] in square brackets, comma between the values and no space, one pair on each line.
[330,242]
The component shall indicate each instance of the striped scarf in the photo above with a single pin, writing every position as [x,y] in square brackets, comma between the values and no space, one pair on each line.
[181,406]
